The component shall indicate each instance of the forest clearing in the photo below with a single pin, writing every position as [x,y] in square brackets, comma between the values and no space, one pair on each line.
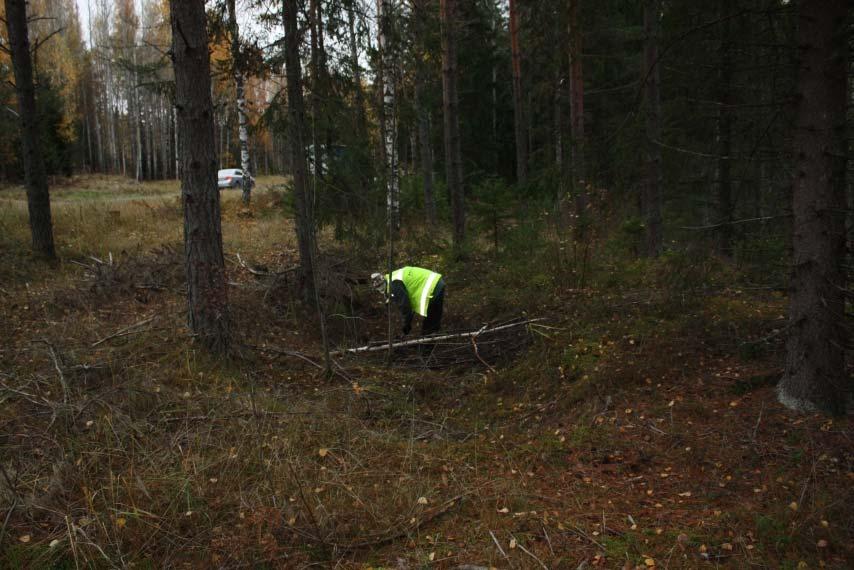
[410,284]
[639,425]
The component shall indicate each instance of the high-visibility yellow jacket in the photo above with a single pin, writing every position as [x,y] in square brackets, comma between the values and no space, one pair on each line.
[420,284]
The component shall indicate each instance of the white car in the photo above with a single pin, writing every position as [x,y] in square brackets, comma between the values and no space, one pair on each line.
[232,178]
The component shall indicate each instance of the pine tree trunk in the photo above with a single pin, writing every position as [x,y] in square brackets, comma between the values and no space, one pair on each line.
[450,106]
[651,193]
[38,195]
[361,119]
[815,375]
[725,205]
[519,122]
[576,111]
[296,141]
[426,151]
[207,293]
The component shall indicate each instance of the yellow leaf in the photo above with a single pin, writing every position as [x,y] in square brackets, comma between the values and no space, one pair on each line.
[422,500]
[322,452]
[121,522]
[432,556]
[649,562]
[793,505]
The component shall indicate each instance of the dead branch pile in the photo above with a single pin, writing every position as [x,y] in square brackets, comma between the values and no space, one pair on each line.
[160,269]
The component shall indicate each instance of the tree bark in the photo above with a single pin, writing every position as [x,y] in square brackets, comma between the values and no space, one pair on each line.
[207,294]
[304,216]
[38,194]
[725,205]
[450,107]
[651,193]
[815,376]
[388,118]
[242,118]
[519,121]
[423,112]
[576,111]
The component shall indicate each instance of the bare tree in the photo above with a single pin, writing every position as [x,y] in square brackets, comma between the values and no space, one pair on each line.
[207,295]
[450,106]
[576,111]
[651,193]
[296,135]
[519,120]
[422,110]
[725,204]
[38,194]
[815,374]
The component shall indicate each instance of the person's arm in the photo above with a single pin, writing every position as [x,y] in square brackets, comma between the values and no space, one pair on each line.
[400,297]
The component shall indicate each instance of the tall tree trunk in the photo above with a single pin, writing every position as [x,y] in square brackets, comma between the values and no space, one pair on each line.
[725,205]
[314,71]
[519,121]
[815,375]
[38,195]
[388,118]
[361,119]
[426,151]
[242,119]
[450,107]
[296,141]
[651,193]
[576,111]
[422,111]
[207,293]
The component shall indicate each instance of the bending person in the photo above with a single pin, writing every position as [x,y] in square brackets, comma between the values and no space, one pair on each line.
[415,291]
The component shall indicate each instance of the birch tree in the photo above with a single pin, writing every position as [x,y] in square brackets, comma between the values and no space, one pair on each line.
[242,118]
[387,116]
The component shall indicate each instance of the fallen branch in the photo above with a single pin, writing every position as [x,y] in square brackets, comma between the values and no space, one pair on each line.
[435,338]
[125,331]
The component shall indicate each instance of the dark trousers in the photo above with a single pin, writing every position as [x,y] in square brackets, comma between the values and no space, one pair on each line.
[433,321]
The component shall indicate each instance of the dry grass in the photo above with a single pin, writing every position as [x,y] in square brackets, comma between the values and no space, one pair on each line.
[630,431]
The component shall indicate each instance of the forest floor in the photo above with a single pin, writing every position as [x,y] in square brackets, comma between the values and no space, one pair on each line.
[637,427]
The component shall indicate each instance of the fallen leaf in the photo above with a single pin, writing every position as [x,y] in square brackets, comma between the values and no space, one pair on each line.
[512,543]
[793,505]
[322,451]
[505,510]
[25,538]
[422,500]
[685,494]
[54,543]
[821,543]
[649,562]
[121,522]
[726,546]
[432,556]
